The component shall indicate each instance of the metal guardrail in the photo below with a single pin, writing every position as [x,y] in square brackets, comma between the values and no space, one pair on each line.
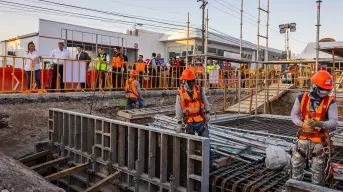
[148,158]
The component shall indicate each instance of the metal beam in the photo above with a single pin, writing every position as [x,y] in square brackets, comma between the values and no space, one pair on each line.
[48,164]
[66,172]
[97,186]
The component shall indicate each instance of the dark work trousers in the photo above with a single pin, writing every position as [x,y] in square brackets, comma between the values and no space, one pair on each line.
[100,74]
[155,79]
[117,78]
[57,69]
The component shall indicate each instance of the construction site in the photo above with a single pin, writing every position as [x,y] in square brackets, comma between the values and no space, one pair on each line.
[70,129]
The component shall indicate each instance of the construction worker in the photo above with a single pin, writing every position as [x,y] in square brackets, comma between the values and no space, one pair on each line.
[192,108]
[133,92]
[117,64]
[102,62]
[140,67]
[294,72]
[315,113]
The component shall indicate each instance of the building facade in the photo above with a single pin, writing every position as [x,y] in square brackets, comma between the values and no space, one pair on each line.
[134,42]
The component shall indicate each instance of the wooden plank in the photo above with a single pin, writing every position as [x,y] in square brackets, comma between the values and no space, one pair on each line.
[190,165]
[97,186]
[152,154]
[164,158]
[34,156]
[131,147]
[141,150]
[121,146]
[66,172]
[49,163]
[114,141]
[176,161]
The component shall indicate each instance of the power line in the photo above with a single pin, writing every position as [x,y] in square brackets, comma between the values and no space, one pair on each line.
[82,15]
[164,11]
[276,28]
[272,30]
[116,14]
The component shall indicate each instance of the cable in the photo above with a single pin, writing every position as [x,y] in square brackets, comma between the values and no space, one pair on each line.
[164,11]
[25,6]
[115,14]
[276,28]
[271,30]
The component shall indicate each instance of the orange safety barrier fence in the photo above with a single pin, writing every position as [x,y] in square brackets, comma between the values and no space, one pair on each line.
[76,75]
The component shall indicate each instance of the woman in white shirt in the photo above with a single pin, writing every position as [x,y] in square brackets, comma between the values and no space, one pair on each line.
[32,68]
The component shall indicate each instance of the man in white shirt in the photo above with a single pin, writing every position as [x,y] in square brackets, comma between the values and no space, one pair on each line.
[57,64]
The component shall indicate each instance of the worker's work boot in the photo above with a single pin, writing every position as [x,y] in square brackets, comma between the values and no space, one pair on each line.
[27,91]
[41,91]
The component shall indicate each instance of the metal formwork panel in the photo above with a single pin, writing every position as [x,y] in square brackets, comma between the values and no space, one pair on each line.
[149,159]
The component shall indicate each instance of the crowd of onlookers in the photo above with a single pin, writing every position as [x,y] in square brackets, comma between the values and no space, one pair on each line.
[112,70]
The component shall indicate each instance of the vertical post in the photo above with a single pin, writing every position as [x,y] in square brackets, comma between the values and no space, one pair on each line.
[287,44]
[206,48]
[203,26]
[334,73]
[257,52]
[187,41]
[317,39]
[240,52]
[266,58]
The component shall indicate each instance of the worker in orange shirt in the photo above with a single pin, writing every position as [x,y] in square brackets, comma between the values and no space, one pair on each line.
[294,72]
[315,113]
[140,67]
[117,64]
[133,92]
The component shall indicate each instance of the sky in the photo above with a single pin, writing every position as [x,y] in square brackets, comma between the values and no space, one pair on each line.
[224,16]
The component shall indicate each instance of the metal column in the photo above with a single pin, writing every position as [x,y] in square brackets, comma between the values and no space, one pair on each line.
[318,28]
[206,49]
[240,52]
[266,92]
[258,48]
[287,44]
[187,41]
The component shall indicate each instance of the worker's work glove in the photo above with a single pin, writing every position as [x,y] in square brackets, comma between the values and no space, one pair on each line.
[207,118]
[179,128]
[306,126]
[317,125]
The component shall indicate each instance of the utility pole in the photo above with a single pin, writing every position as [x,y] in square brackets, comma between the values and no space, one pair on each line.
[318,28]
[187,41]
[287,44]
[203,6]
[206,48]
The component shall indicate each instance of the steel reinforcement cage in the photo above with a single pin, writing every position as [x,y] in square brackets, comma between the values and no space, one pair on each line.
[148,158]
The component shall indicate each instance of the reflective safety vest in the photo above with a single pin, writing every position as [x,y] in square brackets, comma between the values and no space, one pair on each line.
[101,64]
[117,62]
[192,68]
[319,115]
[140,67]
[131,89]
[199,70]
[211,67]
[192,107]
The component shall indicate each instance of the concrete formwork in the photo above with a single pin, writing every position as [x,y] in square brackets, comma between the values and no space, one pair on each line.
[149,159]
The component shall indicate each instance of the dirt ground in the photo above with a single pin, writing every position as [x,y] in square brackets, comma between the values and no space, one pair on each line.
[22,125]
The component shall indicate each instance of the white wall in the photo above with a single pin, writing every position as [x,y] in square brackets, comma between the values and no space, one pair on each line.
[54,29]
[148,43]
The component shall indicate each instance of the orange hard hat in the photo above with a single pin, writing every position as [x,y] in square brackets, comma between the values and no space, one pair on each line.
[188,74]
[133,73]
[322,79]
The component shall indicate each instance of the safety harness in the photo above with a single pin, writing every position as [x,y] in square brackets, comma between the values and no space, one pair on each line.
[320,114]
[195,112]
